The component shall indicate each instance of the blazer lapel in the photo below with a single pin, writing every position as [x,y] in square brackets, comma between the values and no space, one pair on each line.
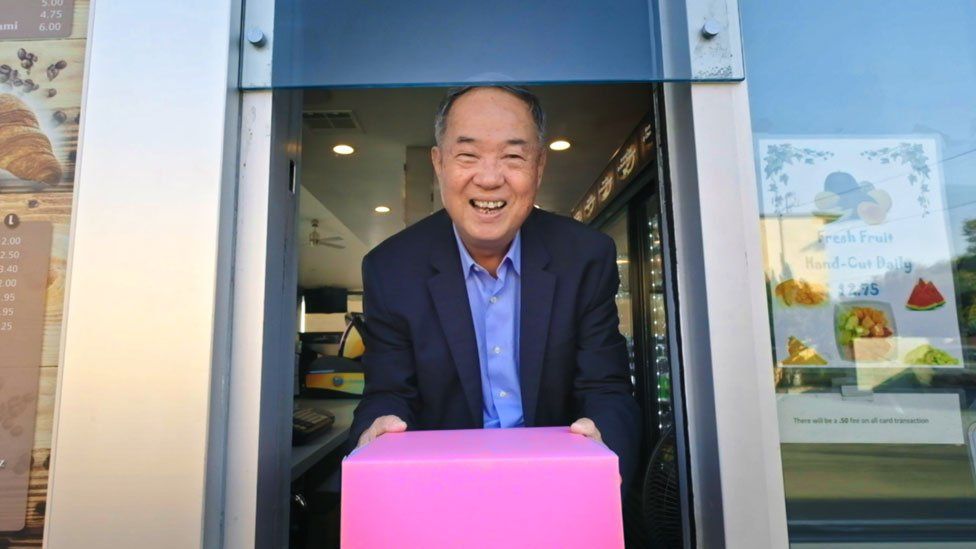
[450,296]
[538,289]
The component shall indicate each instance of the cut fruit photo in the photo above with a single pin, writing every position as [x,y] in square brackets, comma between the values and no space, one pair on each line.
[802,354]
[927,355]
[924,297]
[864,330]
[797,292]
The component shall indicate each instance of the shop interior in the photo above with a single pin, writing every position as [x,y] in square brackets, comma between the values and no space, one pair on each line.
[365,174]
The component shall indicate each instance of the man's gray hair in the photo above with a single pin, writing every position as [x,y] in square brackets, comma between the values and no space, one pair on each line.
[538,115]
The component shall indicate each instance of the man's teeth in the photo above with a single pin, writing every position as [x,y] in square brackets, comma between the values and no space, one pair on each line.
[488,204]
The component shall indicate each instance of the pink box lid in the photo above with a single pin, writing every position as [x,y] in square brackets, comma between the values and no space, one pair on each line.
[480,444]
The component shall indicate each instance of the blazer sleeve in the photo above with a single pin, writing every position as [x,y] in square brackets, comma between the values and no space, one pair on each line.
[602,389]
[388,363]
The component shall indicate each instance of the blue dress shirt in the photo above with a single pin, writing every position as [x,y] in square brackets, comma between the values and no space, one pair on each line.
[495,314]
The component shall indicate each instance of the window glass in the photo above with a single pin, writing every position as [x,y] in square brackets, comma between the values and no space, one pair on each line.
[864,117]
[658,325]
[336,43]
[617,229]
[42,55]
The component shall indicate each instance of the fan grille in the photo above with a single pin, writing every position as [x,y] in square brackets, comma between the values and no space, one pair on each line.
[662,500]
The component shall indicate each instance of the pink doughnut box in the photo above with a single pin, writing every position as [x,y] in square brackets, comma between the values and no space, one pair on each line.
[524,487]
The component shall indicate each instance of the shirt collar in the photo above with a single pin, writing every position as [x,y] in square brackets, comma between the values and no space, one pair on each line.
[513,257]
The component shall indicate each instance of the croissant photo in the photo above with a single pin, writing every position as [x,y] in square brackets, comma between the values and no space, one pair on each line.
[25,151]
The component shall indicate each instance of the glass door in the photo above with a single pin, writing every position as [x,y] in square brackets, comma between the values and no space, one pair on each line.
[638,231]
[658,385]
[617,230]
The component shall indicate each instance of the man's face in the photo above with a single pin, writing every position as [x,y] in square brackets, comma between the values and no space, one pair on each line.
[489,164]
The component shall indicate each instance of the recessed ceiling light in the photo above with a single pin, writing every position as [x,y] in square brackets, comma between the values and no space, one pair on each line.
[560,145]
[381,209]
[343,149]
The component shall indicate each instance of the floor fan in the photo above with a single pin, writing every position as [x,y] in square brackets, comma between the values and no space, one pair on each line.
[662,501]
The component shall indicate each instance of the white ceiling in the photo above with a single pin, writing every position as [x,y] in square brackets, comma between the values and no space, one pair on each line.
[596,119]
[325,265]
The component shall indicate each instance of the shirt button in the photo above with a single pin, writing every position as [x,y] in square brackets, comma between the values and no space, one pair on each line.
[502,394]
[493,299]
[497,350]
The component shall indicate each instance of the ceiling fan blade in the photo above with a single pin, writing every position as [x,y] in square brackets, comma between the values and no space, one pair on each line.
[329,244]
[330,239]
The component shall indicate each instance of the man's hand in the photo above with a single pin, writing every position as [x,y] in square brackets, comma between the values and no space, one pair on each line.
[585,426]
[382,424]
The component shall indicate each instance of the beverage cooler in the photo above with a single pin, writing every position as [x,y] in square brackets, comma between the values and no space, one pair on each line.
[628,203]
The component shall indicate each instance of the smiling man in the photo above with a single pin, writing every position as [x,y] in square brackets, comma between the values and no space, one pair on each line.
[492,313]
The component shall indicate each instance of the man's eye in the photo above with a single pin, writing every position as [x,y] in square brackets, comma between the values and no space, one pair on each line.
[514,157]
[466,156]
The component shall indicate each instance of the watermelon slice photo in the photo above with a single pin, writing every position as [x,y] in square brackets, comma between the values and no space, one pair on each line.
[925,297]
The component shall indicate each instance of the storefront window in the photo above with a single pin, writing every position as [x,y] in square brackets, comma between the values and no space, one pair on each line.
[42,54]
[864,116]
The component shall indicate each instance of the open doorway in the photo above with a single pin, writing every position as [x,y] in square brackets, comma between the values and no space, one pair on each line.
[365,175]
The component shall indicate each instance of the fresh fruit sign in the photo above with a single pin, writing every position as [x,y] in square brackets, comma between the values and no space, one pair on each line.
[857,250]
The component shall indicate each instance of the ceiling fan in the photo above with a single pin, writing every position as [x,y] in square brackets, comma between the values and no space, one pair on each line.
[315,239]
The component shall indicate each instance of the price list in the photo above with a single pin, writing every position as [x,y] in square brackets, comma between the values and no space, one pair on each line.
[25,255]
[35,19]
[25,251]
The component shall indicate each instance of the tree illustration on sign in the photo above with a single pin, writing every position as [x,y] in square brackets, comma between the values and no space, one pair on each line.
[913,156]
[774,171]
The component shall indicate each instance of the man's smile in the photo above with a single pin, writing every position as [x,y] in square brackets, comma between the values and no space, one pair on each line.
[488,206]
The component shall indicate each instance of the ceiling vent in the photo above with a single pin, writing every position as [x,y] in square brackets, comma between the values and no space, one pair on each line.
[333,120]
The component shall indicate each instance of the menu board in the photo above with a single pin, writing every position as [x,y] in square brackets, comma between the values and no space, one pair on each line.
[857,250]
[42,54]
[25,252]
[636,153]
[26,19]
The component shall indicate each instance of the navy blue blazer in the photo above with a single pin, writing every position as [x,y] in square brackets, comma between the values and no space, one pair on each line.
[421,358]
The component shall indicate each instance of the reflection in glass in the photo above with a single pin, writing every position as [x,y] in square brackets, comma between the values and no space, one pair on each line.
[866,154]
[658,325]
[617,229]
[341,43]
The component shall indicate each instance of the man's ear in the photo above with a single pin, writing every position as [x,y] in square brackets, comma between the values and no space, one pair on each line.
[435,159]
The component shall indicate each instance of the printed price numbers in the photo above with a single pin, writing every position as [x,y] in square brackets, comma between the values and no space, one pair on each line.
[9,250]
[36,19]
[858,290]
[25,256]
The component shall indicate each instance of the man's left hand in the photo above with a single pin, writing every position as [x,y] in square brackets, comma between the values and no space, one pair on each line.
[585,426]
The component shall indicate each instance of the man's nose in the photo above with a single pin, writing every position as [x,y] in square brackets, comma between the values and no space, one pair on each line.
[489,175]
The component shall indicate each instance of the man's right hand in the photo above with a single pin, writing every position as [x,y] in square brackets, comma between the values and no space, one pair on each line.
[382,424]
